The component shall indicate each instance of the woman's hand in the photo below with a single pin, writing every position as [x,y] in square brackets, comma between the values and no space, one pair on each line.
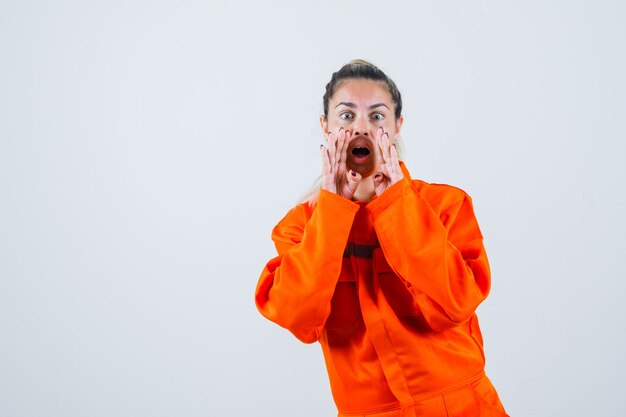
[389,171]
[335,177]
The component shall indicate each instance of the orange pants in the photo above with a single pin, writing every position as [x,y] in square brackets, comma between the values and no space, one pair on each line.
[475,399]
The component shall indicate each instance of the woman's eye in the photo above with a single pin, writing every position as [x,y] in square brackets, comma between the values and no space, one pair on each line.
[346,116]
[377,116]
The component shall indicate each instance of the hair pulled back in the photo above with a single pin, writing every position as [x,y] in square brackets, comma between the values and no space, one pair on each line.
[360,69]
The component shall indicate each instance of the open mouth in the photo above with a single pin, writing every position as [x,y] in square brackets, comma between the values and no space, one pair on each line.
[361,151]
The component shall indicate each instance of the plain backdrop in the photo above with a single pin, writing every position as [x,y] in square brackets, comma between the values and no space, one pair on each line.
[147,148]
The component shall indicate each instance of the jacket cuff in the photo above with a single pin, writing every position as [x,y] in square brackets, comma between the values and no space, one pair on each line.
[335,202]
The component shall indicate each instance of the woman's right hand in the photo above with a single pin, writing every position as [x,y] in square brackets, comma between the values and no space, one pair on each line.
[335,176]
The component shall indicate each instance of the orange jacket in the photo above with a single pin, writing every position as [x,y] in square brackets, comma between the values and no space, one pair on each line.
[389,288]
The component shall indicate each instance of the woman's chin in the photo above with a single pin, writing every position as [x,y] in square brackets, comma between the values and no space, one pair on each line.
[364,169]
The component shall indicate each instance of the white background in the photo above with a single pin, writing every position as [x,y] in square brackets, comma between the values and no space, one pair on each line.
[147,148]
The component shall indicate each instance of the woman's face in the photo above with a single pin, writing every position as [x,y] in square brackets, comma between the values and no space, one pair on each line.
[361,107]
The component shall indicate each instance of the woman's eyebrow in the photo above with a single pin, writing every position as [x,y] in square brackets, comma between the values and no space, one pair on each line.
[352,105]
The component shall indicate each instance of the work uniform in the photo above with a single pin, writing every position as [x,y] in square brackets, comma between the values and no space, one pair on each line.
[389,288]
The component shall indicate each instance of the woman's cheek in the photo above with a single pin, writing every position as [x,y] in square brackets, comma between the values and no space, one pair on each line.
[344,123]
[334,127]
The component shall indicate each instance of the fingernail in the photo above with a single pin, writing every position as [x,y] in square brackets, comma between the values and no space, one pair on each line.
[353,173]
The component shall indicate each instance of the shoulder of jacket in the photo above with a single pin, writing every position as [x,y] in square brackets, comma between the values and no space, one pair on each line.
[440,195]
[297,215]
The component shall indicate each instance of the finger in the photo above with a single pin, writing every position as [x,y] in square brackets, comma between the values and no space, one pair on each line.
[344,149]
[395,163]
[325,160]
[328,180]
[394,155]
[354,178]
[380,183]
[378,179]
[331,148]
[385,171]
[386,146]
[377,147]
[341,141]
[340,166]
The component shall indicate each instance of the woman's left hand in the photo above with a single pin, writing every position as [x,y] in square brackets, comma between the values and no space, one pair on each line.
[388,171]
[336,178]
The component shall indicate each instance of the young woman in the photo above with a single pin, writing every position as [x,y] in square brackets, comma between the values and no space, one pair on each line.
[384,271]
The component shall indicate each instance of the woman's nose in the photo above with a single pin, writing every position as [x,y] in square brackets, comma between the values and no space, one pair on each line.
[360,127]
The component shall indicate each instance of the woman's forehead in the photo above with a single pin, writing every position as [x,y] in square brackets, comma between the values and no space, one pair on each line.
[362,91]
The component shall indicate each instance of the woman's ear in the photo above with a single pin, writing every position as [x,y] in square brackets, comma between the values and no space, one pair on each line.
[399,122]
[324,125]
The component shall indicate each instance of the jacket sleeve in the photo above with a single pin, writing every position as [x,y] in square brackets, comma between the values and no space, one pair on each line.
[440,257]
[296,287]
